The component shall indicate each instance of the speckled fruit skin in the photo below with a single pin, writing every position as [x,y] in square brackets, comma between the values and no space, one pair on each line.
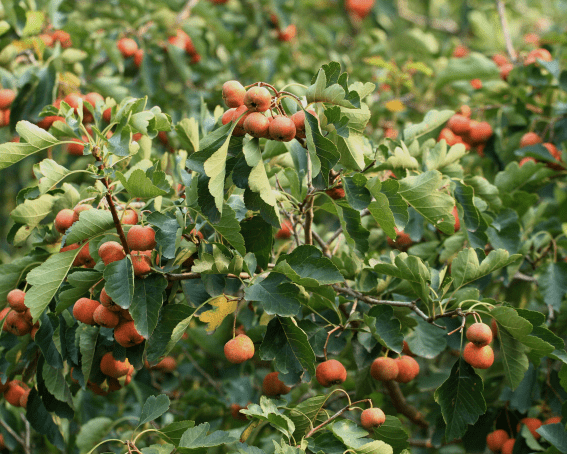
[79,209]
[17,324]
[372,417]
[236,412]
[330,372]
[239,349]
[141,262]
[256,124]
[336,193]
[126,335]
[496,439]
[478,357]
[553,420]
[84,309]
[384,369]
[130,217]
[480,334]
[456,219]
[408,369]
[282,129]
[16,300]
[141,238]
[111,251]
[359,8]
[105,317]
[273,386]
[532,424]
[233,93]
[127,47]
[257,99]
[459,124]
[530,138]
[285,231]
[481,132]
[239,119]
[114,368]
[63,220]
[7,96]
[508,446]
[402,242]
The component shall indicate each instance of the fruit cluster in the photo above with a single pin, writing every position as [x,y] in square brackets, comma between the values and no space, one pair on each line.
[532,138]
[16,392]
[462,129]
[477,352]
[247,109]
[402,370]
[7,97]
[286,34]
[499,441]
[16,316]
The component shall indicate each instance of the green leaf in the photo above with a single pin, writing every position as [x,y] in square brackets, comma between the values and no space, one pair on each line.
[555,434]
[198,437]
[322,150]
[552,283]
[229,228]
[384,327]
[174,320]
[306,413]
[146,303]
[516,177]
[154,407]
[382,213]
[441,155]
[396,203]
[158,449]
[473,66]
[87,343]
[268,411]
[92,432]
[466,267]
[427,340]
[50,173]
[356,235]
[215,168]
[287,345]
[411,269]
[45,281]
[432,120]
[145,185]
[325,88]
[32,212]
[45,341]
[41,421]
[306,266]
[424,193]
[258,239]
[358,196]
[276,294]
[55,383]
[33,139]
[90,224]
[168,231]
[174,431]
[12,273]
[188,133]
[393,433]
[119,281]
[351,434]
[257,179]
[461,399]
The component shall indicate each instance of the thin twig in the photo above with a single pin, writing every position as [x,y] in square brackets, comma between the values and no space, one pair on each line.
[402,406]
[208,377]
[336,415]
[322,243]
[11,432]
[506,34]
[186,11]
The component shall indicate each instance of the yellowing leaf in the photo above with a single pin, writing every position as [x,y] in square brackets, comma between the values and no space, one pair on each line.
[395,105]
[221,308]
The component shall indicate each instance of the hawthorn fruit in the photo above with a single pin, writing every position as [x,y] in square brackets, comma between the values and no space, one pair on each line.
[285,231]
[63,220]
[448,135]
[256,124]
[233,93]
[129,217]
[384,369]
[478,357]
[408,369]
[239,129]
[127,47]
[141,238]
[552,420]
[456,219]
[127,335]
[359,8]
[141,262]
[24,398]
[372,417]
[17,324]
[496,439]
[330,373]
[257,99]
[540,54]
[103,316]
[530,138]
[402,241]
[15,391]
[299,119]
[168,364]
[287,34]
[76,148]
[114,368]
[508,446]
[15,299]
[111,251]
[79,209]
[532,424]
[84,257]
[480,132]
[84,310]
[63,37]
[336,193]
[236,412]
[525,160]
[480,334]
[460,51]
[107,302]
[476,84]
[7,96]
[555,153]
[239,349]
[459,124]
[272,386]
[138,57]
[282,129]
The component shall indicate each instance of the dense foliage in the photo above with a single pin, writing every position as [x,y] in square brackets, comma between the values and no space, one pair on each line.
[282,226]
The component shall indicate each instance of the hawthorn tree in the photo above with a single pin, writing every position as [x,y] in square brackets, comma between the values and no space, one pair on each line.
[274,267]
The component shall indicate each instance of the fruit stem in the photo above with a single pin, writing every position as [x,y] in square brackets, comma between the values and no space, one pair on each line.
[336,415]
[327,340]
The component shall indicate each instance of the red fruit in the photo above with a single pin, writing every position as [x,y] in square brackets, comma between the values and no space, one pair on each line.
[63,37]
[84,257]
[239,129]
[372,417]
[239,349]
[256,124]
[553,420]
[282,129]
[63,220]
[34,330]
[456,219]
[402,242]
[107,114]
[406,349]
[448,135]
[287,34]
[359,8]
[46,122]
[384,369]
[92,99]
[177,41]
[114,368]
[7,96]
[24,398]
[459,124]
[127,335]
[227,116]
[111,251]
[336,193]
[530,138]
[73,100]
[236,412]
[478,357]
[168,364]
[127,47]
[408,369]
[525,160]
[476,84]
[76,148]
[480,132]
[500,60]
[130,217]
[461,51]
[195,58]
[257,99]
[495,440]
[233,93]
[330,373]
[16,300]
[125,314]
[84,309]
[505,70]
[285,231]
[532,424]
[141,262]
[541,54]
[553,151]
[79,209]
[299,122]
[141,238]
[272,386]
[105,317]
[138,57]
[531,38]
[107,302]
[16,389]
[480,334]
[17,324]
[508,446]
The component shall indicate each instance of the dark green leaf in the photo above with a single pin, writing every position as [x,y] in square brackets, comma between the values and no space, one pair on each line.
[276,294]
[146,303]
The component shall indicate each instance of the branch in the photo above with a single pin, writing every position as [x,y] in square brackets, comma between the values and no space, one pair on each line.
[336,415]
[506,34]
[199,369]
[186,11]
[402,406]
[14,434]
[322,243]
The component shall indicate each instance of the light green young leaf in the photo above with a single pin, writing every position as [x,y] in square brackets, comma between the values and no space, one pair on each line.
[466,267]
[90,224]
[33,138]
[32,212]
[141,184]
